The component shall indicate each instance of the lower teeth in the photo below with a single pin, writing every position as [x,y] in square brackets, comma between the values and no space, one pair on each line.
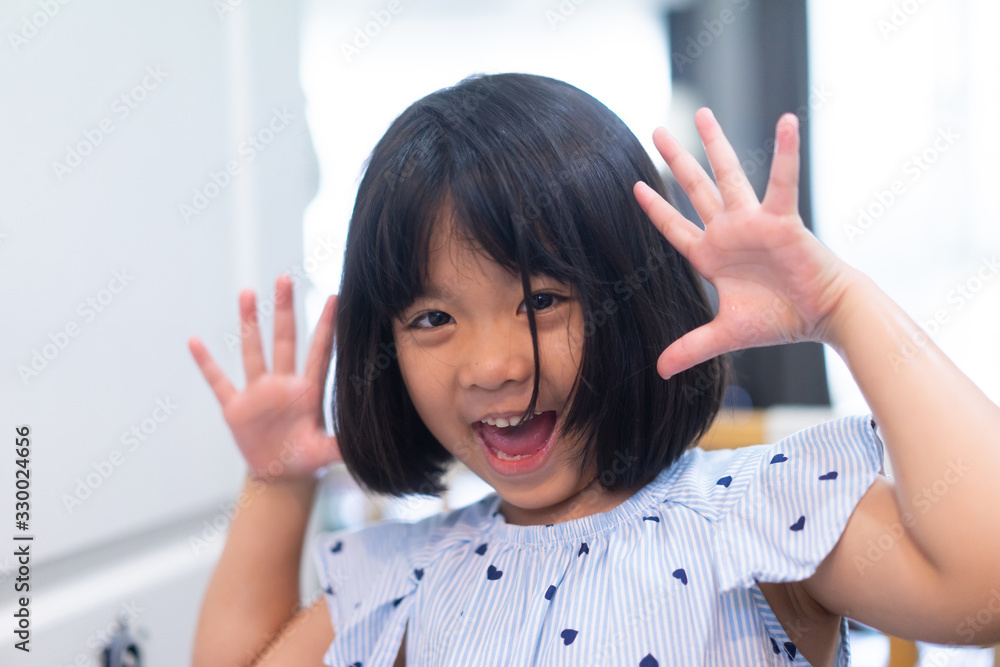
[504,457]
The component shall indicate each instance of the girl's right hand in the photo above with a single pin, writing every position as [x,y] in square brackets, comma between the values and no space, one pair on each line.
[277,420]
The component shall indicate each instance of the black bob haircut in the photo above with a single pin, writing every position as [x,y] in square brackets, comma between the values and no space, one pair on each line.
[540,177]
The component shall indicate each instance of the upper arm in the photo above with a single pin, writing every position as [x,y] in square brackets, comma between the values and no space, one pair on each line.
[878,575]
[303,641]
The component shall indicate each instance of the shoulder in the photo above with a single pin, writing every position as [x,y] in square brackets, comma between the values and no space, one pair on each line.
[712,482]
[384,539]
[787,504]
[702,480]
[362,568]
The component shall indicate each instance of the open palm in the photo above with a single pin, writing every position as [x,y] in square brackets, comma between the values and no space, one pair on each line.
[277,419]
[777,283]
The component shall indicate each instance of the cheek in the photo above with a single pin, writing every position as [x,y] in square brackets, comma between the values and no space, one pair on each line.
[562,349]
[575,339]
[409,368]
[426,380]
[421,376]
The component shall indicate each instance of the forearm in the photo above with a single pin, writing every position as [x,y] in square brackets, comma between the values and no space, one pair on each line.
[941,432]
[255,587]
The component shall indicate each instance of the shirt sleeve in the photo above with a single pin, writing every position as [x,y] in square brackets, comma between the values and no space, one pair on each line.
[352,567]
[796,497]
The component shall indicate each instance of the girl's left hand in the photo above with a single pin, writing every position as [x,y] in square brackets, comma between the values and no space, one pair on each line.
[777,283]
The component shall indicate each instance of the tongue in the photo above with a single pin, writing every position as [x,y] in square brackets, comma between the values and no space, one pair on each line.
[526,438]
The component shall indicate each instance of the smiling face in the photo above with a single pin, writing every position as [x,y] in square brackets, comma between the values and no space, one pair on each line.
[465,354]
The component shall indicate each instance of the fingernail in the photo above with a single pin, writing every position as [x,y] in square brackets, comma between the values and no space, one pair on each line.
[790,120]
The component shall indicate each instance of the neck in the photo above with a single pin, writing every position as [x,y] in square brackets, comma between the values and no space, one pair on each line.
[591,499]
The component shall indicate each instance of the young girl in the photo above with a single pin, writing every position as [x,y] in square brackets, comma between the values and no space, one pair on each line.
[504,297]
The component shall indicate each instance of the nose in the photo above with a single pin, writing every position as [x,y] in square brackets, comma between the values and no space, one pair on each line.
[495,355]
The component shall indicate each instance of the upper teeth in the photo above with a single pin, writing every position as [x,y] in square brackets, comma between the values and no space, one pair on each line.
[504,423]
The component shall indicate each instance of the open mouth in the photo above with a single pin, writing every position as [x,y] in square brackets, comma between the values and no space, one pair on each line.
[514,447]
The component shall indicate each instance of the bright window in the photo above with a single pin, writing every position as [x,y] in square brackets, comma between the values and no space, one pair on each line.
[905,169]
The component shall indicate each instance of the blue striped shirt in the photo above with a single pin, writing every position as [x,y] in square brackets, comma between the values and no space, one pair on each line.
[669,577]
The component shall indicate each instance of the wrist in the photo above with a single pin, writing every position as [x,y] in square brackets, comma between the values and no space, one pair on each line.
[856,293]
[298,485]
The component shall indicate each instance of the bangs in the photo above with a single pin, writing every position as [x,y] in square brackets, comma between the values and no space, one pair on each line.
[512,199]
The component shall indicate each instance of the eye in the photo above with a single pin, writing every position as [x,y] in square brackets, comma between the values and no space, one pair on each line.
[433,319]
[542,301]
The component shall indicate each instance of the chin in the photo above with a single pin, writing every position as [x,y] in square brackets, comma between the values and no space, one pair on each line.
[536,499]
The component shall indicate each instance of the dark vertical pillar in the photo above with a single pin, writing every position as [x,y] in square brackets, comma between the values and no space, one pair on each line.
[747,61]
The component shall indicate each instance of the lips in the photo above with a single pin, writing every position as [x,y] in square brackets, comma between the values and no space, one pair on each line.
[521,440]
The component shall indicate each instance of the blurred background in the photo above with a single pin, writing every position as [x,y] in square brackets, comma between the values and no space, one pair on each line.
[159,158]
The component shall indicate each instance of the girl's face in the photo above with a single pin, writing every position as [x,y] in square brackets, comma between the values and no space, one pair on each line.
[465,354]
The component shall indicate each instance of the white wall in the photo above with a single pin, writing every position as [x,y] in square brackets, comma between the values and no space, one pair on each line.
[904,168]
[65,234]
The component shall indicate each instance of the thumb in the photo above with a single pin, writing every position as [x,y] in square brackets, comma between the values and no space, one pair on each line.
[325,453]
[691,349]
